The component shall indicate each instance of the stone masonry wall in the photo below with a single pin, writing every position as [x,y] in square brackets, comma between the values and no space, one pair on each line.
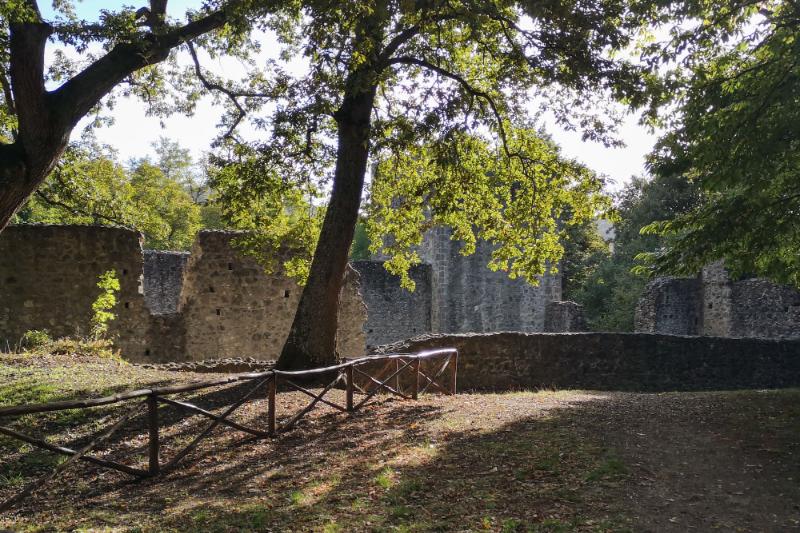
[763,309]
[717,303]
[233,309]
[564,316]
[468,297]
[163,280]
[227,305]
[48,280]
[616,361]
[670,305]
[713,304]
[394,313]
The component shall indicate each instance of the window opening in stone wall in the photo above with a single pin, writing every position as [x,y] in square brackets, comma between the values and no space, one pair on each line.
[147,351]
[230,266]
[124,271]
[286,293]
[211,289]
[711,306]
[219,312]
[127,305]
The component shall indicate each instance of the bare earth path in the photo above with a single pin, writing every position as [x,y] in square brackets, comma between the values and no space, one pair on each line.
[707,461]
[554,461]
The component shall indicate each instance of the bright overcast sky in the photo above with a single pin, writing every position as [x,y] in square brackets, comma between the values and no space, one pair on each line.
[132,132]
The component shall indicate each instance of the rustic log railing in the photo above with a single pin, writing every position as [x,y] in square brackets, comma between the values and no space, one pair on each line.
[346,374]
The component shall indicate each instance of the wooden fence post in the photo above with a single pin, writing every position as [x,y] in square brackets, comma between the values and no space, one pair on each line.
[272,386]
[349,381]
[154,444]
[415,383]
[454,375]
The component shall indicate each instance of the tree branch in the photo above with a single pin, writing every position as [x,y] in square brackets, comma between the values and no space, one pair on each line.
[212,86]
[78,95]
[80,212]
[466,85]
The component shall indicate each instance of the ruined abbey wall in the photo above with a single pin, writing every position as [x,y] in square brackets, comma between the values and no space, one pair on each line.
[48,280]
[233,309]
[468,297]
[208,304]
[715,305]
[394,313]
[214,302]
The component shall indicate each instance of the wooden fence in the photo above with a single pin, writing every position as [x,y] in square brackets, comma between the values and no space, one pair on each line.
[404,373]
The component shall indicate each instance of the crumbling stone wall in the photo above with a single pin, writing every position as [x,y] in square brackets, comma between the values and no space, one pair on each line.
[715,305]
[615,361]
[211,304]
[48,280]
[163,280]
[394,313]
[468,297]
[672,306]
[764,309]
[564,316]
[233,309]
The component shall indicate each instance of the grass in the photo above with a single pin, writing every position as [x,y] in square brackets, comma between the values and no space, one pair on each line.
[542,461]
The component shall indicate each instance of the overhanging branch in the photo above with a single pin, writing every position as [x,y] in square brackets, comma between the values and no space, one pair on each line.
[467,86]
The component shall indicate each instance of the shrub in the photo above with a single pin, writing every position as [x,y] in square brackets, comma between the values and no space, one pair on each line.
[109,286]
[35,338]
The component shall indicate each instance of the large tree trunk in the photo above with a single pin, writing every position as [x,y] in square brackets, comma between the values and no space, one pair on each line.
[42,135]
[312,339]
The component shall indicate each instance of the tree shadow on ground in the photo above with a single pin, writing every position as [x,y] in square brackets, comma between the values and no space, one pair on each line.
[557,461]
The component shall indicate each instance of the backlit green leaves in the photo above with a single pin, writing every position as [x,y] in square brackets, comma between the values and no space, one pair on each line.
[520,204]
[739,139]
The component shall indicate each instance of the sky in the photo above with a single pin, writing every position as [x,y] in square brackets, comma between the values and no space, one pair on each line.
[132,133]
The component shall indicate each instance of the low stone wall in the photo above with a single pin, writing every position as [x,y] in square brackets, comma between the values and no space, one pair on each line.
[615,361]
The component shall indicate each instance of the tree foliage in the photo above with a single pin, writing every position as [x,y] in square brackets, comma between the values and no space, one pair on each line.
[41,103]
[738,138]
[610,292]
[89,186]
[524,207]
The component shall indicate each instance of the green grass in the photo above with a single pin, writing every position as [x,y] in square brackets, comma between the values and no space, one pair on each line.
[610,469]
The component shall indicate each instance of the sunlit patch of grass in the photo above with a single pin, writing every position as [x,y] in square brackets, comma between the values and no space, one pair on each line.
[297,497]
[612,468]
[331,527]
[386,478]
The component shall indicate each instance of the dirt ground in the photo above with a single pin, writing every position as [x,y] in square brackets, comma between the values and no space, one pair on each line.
[523,461]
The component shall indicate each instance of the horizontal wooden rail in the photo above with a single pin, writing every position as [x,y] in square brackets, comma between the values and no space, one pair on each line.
[269,381]
[189,387]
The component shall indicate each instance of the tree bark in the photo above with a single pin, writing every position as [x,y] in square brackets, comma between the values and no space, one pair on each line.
[312,338]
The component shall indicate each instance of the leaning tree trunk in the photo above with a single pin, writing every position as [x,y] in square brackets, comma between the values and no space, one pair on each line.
[312,338]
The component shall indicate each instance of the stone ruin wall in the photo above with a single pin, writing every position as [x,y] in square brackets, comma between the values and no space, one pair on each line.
[215,303]
[712,304]
[468,297]
[670,305]
[614,361]
[564,317]
[394,313]
[208,304]
[48,280]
